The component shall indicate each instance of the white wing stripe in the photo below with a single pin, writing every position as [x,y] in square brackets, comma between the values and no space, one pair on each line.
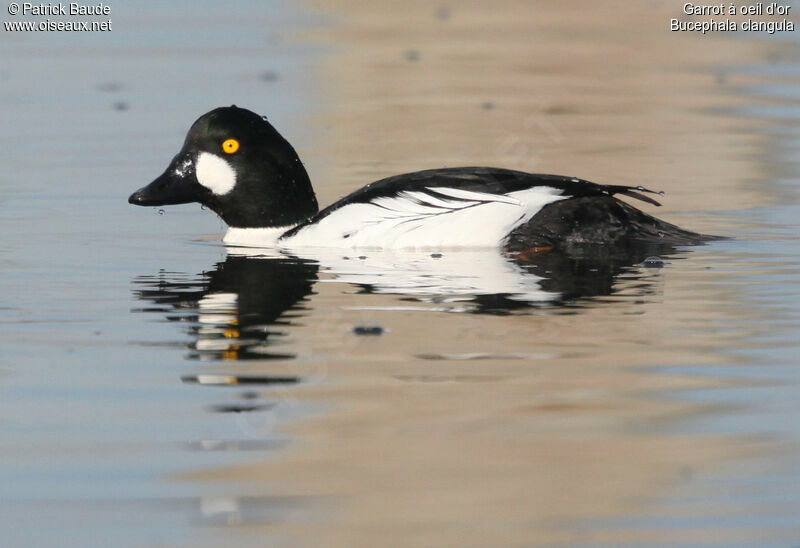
[427,219]
[472,195]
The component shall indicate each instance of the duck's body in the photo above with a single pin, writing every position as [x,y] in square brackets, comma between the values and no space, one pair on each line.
[234,162]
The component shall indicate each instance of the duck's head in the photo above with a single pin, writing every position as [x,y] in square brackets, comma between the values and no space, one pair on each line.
[235,163]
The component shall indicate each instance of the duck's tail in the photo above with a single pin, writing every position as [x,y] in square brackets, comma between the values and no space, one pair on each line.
[637,192]
[599,220]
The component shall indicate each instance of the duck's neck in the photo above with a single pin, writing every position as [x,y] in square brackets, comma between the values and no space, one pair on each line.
[276,193]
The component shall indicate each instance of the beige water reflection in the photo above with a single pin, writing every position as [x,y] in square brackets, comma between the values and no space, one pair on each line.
[557,418]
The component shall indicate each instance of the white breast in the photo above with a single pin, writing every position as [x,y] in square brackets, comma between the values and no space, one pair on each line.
[450,218]
[254,237]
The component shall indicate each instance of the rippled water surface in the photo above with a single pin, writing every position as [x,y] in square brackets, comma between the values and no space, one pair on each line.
[158,389]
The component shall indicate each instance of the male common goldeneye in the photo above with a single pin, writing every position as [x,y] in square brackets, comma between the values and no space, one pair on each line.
[235,163]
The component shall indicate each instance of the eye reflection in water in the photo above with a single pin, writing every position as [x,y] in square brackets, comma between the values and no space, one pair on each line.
[235,311]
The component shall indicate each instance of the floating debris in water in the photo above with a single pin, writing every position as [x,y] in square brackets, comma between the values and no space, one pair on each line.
[229,380]
[268,76]
[368,330]
[239,407]
[110,87]
[559,109]
[436,255]
[443,13]
[654,262]
[411,55]
[120,106]
[488,105]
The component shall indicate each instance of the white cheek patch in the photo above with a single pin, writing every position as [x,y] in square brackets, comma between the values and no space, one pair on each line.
[215,174]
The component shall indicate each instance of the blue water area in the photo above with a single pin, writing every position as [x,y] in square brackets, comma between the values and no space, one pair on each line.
[93,413]
[756,498]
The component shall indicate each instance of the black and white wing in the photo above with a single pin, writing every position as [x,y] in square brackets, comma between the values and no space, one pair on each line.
[445,208]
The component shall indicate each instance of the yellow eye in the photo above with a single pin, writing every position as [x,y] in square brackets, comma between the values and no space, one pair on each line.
[230,146]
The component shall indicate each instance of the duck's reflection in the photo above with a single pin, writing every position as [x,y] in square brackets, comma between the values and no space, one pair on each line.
[236,310]
[486,281]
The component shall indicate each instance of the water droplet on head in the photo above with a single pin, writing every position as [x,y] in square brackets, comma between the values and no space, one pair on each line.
[202,207]
[641,188]
[161,212]
[660,234]
[662,193]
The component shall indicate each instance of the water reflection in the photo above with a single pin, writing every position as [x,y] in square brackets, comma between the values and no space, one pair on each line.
[485,281]
[234,311]
[239,309]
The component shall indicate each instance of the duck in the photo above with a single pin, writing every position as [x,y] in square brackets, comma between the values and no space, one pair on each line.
[235,163]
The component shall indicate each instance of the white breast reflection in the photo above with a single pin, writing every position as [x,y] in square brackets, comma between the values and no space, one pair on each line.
[484,280]
[446,276]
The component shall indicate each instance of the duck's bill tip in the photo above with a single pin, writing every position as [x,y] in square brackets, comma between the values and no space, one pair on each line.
[165,190]
[137,198]
[143,197]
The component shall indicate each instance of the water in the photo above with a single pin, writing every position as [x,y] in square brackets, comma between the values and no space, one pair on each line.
[157,389]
